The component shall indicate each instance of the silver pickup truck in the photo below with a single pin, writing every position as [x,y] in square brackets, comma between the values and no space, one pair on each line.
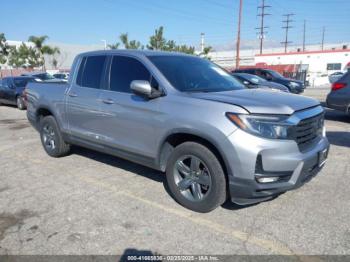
[185,116]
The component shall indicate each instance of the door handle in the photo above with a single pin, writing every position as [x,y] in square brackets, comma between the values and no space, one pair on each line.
[108,101]
[72,94]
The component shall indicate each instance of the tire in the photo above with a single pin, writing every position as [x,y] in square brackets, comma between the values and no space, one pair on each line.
[20,103]
[207,177]
[49,131]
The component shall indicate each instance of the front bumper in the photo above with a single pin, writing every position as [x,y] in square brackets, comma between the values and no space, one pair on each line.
[277,158]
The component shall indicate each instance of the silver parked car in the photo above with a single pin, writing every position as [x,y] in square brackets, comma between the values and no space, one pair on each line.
[339,97]
[185,116]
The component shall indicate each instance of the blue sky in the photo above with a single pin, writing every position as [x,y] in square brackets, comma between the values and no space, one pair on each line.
[89,21]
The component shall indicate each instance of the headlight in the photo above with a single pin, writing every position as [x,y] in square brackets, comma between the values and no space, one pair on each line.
[267,126]
[293,84]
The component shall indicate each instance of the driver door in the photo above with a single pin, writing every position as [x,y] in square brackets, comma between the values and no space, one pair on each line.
[129,121]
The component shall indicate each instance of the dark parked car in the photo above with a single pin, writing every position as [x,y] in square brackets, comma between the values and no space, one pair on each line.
[253,81]
[11,90]
[294,86]
[335,77]
[61,76]
[339,97]
[42,77]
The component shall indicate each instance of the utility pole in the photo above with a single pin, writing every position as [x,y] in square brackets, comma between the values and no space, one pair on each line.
[323,33]
[262,23]
[202,42]
[304,36]
[239,33]
[287,26]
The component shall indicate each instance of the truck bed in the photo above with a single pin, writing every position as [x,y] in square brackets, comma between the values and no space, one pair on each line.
[45,95]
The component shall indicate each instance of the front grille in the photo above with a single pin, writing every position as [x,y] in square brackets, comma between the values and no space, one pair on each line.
[308,130]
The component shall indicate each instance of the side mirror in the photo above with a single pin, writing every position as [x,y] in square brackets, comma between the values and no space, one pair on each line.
[246,82]
[143,88]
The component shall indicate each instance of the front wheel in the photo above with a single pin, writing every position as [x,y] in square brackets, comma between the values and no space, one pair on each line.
[20,103]
[195,177]
[51,138]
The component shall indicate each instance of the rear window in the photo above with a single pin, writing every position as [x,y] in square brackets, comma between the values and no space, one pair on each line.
[91,71]
[345,77]
[21,82]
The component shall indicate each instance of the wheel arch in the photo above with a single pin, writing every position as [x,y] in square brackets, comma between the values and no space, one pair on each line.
[42,112]
[181,136]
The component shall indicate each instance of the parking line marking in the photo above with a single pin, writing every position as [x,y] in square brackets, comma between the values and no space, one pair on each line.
[243,236]
[271,245]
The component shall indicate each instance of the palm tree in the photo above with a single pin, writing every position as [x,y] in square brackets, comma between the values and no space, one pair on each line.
[133,44]
[42,49]
[114,46]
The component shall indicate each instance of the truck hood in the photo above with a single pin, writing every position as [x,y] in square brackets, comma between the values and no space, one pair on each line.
[258,101]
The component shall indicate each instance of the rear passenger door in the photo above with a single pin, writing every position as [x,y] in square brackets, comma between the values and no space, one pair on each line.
[128,119]
[82,99]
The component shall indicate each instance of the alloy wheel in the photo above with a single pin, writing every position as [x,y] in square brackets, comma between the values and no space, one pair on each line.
[49,137]
[192,178]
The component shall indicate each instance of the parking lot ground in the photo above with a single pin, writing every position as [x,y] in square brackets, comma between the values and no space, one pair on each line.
[91,203]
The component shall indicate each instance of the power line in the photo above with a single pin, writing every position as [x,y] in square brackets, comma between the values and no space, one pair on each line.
[262,23]
[287,26]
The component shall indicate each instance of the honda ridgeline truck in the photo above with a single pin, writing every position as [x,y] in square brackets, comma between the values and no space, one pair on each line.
[185,116]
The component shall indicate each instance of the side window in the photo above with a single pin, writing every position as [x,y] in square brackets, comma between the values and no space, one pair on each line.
[261,73]
[92,72]
[5,83]
[124,70]
[81,71]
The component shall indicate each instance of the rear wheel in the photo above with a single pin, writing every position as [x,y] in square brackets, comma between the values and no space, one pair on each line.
[51,138]
[195,177]
[20,103]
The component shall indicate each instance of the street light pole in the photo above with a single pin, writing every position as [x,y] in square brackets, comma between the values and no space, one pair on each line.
[105,43]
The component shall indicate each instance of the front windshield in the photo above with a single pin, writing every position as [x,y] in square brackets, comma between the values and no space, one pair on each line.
[253,78]
[193,74]
[44,76]
[20,82]
[275,74]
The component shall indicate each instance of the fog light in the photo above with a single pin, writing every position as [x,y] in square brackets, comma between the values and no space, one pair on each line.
[270,179]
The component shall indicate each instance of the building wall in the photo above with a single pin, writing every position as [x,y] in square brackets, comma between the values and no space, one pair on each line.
[318,62]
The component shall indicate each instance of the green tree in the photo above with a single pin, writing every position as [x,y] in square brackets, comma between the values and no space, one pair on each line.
[114,46]
[4,49]
[157,41]
[43,49]
[133,44]
[24,56]
[185,49]
[206,52]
